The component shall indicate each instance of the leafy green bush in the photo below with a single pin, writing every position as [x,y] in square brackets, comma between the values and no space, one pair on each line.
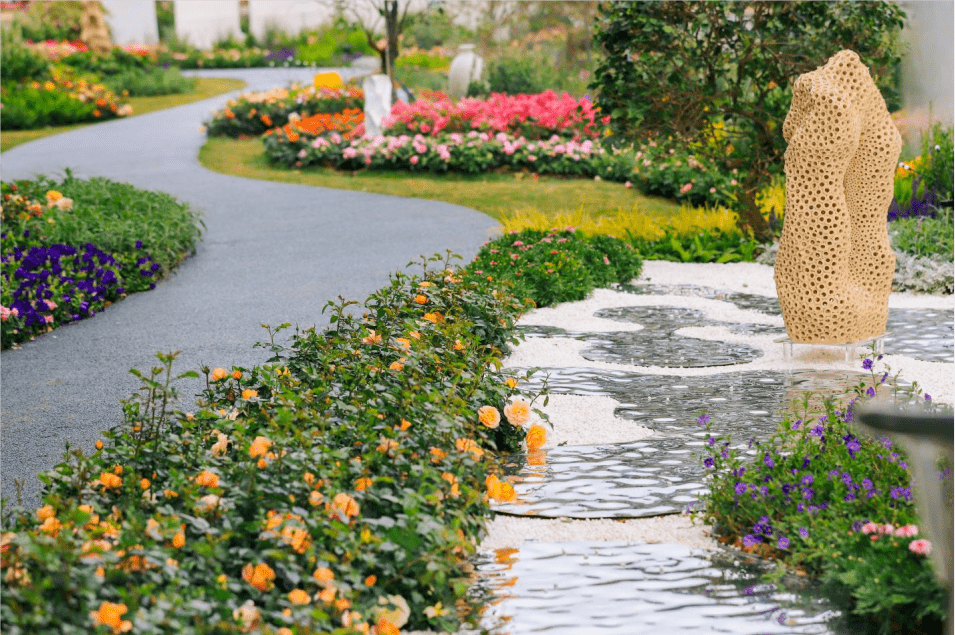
[19,63]
[687,74]
[701,246]
[523,73]
[155,81]
[341,480]
[805,497]
[117,61]
[71,248]
[556,266]
[333,45]
[925,236]
[29,108]
[939,173]
[58,20]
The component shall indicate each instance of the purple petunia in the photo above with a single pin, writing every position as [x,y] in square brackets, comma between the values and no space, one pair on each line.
[782,543]
[749,540]
[740,489]
[867,364]
[803,532]
[703,420]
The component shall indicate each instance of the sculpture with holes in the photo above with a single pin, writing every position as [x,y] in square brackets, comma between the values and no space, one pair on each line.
[835,265]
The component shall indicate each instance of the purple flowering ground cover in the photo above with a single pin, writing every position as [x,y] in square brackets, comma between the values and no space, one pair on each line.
[824,501]
[70,249]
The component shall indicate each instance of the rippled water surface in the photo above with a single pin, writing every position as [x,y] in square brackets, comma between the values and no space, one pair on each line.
[607,587]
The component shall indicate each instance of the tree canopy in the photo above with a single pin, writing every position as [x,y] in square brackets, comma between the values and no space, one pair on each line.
[716,76]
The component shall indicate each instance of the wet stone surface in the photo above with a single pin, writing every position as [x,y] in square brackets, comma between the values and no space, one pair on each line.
[627,480]
[925,334]
[661,474]
[606,587]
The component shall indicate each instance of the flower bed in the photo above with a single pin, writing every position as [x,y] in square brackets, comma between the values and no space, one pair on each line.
[71,248]
[825,501]
[534,117]
[342,485]
[252,114]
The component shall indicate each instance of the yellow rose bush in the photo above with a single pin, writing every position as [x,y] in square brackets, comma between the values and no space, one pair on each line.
[342,497]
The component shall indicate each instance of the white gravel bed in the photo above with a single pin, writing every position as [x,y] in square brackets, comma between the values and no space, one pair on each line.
[512,531]
[588,420]
[579,420]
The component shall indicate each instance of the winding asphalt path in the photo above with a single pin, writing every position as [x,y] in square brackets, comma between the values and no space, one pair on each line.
[271,253]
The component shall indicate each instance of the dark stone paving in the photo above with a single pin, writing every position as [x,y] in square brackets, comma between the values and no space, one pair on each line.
[271,253]
[610,588]
[925,334]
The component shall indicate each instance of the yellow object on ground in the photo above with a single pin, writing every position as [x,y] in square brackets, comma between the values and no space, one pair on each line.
[328,80]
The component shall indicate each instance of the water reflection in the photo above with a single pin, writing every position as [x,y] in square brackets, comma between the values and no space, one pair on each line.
[612,587]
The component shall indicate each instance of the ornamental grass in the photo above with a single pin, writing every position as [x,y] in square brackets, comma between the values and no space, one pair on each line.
[341,486]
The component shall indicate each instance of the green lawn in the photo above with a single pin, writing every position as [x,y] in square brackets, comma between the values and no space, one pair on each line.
[506,197]
[205,89]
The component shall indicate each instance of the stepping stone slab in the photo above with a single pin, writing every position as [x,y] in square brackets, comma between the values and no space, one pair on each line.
[610,587]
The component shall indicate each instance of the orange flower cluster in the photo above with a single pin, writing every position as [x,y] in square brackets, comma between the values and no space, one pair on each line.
[499,490]
[343,122]
[259,575]
[289,528]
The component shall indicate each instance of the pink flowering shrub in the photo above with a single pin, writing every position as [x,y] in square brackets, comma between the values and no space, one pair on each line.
[531,116]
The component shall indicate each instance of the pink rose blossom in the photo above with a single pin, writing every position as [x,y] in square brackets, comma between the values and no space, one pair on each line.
[518,243]
[686,188]
[414,159]
[48,319]
[920,547]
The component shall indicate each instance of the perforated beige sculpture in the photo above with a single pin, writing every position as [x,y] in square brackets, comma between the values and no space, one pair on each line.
[835,266]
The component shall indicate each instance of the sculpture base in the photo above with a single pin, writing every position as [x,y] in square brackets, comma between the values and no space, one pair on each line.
[877,343]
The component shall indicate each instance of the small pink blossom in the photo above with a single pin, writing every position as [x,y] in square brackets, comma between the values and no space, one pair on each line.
[907,531]
[50,304]
[920,547]
[48,319]
[628,185]
[686,188]
[606,260]
[870,528]
[414,159]
[518,243]
[712,190]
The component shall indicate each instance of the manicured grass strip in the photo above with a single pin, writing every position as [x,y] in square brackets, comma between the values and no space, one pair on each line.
[206,88]
[497,195]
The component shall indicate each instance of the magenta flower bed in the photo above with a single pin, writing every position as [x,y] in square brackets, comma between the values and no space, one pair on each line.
[537,116]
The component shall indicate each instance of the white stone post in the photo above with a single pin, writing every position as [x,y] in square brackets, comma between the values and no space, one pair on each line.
[204,22]
[132,21]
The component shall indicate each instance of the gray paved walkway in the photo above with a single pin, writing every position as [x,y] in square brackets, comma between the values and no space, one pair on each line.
[271,253]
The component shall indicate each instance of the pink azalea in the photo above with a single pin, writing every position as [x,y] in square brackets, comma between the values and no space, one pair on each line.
[48,319]
[920,547]
[50,304]
[414,159]
[907,531]
[518,243]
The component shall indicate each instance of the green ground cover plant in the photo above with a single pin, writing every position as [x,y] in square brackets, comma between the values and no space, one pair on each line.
[205,88]
[74,246]
[341,485]
[823,499]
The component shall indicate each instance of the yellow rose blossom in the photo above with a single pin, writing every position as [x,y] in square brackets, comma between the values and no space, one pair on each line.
[468,445]
[424,284]
[435,611]
[396,366]
[179,540]
[537,457]
[249,393]
[45,512]
[315,498]
[437,454]
[434,318]
[518,412]
[344,506]
[536,437]
[421,299]
[362,484]
[108,479]
[221,445]
[370,580]
[260,576]
[298,596]
[51,526]
[237,374]
[324,576]
[53,196]
[218,374]
[168,493]
[110,614]
[206,478]
[405,424]
[458,345]
[374,338]
[489,416]
[144,483]
[403,342]
[260,445]
[393,609]
[309,478]
[99,444]
[511,382]
[247,615]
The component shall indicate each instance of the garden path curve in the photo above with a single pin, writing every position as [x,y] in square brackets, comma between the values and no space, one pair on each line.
[271,253]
